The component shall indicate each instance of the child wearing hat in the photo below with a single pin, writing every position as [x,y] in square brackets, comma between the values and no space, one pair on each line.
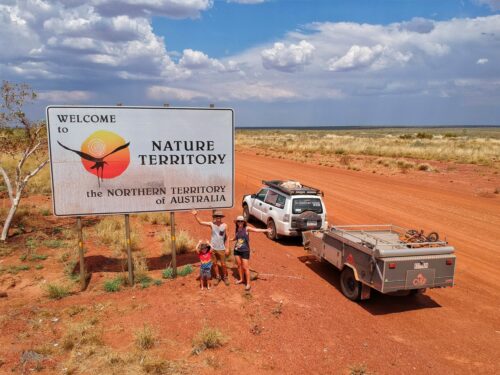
[204,250]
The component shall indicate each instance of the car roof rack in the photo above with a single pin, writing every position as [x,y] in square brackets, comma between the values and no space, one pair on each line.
[303,190]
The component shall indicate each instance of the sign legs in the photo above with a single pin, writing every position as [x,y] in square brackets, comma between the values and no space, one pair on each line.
[129,251]
[80,251]
[174,250]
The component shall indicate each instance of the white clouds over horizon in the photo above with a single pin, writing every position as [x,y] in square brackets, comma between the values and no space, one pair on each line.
[80,48]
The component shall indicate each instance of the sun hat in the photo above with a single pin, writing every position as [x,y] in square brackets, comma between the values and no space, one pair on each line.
[240,218]
[217,213]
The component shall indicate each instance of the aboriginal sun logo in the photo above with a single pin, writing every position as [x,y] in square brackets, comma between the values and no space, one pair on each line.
[104,154]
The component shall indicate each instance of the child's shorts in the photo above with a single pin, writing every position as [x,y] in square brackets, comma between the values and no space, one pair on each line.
[206,273]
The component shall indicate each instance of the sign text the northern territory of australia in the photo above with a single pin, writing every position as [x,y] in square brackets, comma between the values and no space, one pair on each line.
[107,160]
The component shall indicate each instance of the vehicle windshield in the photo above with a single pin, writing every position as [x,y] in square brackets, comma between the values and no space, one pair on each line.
[307,204]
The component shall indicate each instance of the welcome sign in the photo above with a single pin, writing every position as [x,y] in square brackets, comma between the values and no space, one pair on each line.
[110,160]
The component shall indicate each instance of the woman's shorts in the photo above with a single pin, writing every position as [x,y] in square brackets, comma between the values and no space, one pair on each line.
[206,273]
[242,254]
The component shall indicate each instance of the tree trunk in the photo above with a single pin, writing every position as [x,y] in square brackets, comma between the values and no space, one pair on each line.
[9,218]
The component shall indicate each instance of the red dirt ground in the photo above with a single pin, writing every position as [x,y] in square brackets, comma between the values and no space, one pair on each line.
[296,320]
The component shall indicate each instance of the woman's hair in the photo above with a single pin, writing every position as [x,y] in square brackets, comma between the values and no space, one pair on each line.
[244,225]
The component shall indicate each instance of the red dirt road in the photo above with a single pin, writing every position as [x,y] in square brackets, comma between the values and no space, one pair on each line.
[296,320]
[444,331]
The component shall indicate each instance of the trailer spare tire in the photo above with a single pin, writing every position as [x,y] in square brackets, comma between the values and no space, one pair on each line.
[351,288]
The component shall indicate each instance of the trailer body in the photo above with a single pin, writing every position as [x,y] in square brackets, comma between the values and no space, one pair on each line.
[378,258]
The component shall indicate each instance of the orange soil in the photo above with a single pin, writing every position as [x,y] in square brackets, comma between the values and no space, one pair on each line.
[297,320]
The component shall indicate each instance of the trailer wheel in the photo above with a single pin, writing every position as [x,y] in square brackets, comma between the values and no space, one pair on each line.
[274,234]
[351,288]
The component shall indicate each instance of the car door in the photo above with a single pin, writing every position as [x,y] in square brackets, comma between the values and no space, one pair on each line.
[258,204]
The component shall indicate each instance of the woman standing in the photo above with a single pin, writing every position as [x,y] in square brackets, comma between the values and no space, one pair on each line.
[242,249]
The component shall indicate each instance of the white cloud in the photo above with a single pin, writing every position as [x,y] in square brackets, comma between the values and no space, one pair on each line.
[64,97]
[493,4]
[147,8]
[482,61]
[288,58]
[198,60]
[166,93]
[377,57]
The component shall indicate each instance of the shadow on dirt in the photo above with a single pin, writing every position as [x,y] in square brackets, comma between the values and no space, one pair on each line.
[285,241]
[378,304]
[100,263]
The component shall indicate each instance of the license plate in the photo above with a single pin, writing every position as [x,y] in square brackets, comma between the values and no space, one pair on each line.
[312,223]
[417,279]
[420,266]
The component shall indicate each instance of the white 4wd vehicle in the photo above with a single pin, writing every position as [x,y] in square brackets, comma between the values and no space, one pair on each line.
[287,207]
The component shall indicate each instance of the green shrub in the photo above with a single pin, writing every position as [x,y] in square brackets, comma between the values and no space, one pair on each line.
[168,273]
[34,257]
[423,135]
[53,244]
[55,291]
[112,286]
[39,267]
[186,270]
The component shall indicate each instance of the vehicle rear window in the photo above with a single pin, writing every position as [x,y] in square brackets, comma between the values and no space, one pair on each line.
[307,204]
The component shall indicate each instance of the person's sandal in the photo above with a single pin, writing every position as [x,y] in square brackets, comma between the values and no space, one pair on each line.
[226,281]
[247,288]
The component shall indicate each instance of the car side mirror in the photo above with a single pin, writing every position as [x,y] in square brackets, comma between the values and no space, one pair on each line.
[253,195]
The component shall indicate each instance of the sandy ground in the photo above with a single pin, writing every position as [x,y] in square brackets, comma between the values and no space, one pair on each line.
[296,320]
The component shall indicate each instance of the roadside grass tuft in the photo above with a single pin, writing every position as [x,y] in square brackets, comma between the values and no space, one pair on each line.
[57,291]
[14,270]
[54,244]
[113,285]
[208,338]
[358,369]
[145,338]
[424,167]
[184,243]
[82,334]
[168,273]
[186,270]
[156,218]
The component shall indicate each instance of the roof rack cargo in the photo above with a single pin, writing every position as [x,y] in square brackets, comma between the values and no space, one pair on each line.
[302,190]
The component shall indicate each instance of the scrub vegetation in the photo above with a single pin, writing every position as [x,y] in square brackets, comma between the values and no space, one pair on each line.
[475,146]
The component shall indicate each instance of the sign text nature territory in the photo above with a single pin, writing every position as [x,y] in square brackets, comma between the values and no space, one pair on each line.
[110,160]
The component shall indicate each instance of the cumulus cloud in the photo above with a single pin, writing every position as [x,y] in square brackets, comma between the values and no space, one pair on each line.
[493,4]
[166,93]
[288,58]
[147,8]
[418,25]
[198,60]
[482,61]
[64,97]
[377,57]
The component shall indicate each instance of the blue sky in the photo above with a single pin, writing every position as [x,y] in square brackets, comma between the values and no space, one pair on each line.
[230,28]
[276,62]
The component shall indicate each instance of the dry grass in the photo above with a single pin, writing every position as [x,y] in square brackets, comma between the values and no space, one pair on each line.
[162,218]
[208,338]
[145,338]
[469,146]
[184,243]
[111,231]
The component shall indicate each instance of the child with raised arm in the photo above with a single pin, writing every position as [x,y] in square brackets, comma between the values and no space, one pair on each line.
[204,250]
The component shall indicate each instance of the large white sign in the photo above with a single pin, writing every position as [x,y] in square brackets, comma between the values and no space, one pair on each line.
[109,160]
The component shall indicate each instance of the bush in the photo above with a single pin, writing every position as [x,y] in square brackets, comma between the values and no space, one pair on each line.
[145,338]
[156,218]
[184,243]
[55,291]
[53,244]
[423,135]
[113,285]
[424,167]
[208,338]
[186,270]
[168,273]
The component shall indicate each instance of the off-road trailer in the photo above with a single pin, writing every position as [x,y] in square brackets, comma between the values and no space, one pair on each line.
[378,257]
